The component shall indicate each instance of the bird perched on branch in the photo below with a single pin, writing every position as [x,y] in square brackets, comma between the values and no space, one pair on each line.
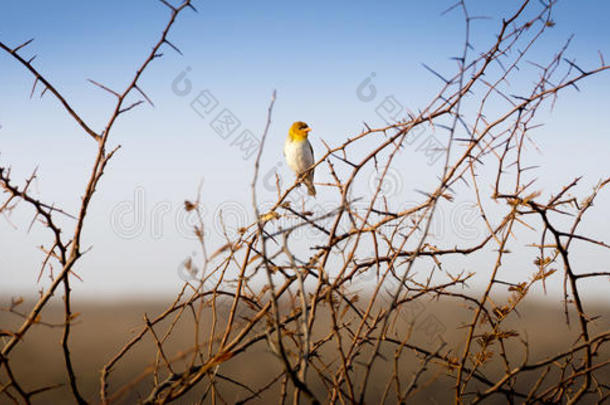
[299,154]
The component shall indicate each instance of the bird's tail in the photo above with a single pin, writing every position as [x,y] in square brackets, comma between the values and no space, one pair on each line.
[311,190]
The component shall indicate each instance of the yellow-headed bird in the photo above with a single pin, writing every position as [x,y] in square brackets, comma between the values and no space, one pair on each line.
[299,153]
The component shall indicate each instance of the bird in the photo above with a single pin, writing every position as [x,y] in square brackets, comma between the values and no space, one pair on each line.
[299,154]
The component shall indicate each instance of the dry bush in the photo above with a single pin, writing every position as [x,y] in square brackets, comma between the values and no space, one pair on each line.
[294,313]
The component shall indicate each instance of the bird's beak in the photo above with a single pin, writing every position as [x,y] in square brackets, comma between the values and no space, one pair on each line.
[307,129]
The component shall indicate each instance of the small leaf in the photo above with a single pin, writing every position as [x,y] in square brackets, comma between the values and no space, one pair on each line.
[16,301]
[189,206]
[269,216]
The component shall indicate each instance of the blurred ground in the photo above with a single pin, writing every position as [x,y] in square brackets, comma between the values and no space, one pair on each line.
[104,327]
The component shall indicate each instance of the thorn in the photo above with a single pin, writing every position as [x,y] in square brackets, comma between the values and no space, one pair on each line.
[137,103]
[34,87]
[428,195]
[101,86]
[168,5]
[428,68]
[144,95]
[519,97]
[343,160]
[172,45]
[501,65]
[26,43]
[447,127]
[192,7]
[465,181]
[451,8]
[476,159]
[31,59]
[575,66]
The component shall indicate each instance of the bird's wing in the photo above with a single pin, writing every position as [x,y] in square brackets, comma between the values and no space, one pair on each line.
[313,159]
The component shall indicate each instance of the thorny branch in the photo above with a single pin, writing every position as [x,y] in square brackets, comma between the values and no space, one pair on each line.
[265,289]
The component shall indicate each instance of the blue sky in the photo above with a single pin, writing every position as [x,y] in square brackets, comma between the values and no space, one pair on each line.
[315,54]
